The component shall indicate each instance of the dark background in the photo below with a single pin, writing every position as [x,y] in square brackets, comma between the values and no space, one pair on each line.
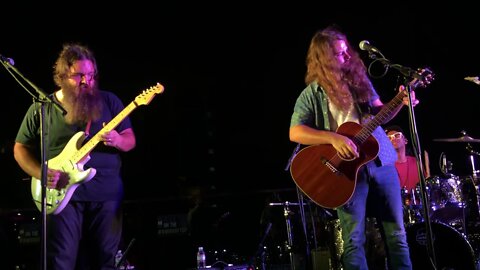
[231,75]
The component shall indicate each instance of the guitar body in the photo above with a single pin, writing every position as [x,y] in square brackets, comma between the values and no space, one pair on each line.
[323,176]
[74,175]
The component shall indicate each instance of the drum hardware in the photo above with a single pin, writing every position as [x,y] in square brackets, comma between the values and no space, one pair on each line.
[120,261]
[445,165]
[462,139]
[475,174]
[287,213]
[471,157]
[261,250]
[412,206]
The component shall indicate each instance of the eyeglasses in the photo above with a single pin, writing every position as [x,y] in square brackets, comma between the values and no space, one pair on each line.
[78,76]
[396,135]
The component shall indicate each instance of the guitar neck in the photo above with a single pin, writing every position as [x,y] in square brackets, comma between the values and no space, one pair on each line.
[92,143]
[385,113]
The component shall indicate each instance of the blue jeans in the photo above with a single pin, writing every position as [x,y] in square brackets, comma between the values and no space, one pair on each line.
[378,188]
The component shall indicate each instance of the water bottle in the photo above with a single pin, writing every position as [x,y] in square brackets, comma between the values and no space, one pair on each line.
[201,258]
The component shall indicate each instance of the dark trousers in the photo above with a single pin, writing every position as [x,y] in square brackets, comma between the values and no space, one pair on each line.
[84,235]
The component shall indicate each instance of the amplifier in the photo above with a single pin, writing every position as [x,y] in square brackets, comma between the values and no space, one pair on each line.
[172,225]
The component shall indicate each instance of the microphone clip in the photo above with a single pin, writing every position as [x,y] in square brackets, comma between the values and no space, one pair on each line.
[7,60]
[372,55]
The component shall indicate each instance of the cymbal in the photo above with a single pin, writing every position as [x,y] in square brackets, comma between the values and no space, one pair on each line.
[464,139]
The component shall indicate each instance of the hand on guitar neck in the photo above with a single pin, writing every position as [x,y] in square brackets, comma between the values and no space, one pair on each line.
[475,80]
[427,77]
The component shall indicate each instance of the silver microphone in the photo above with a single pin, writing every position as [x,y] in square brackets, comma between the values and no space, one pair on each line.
[365,46]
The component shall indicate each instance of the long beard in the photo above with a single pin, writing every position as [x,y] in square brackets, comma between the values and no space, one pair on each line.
[84,107]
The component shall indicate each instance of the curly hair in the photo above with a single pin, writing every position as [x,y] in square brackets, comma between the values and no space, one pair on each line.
[339,81]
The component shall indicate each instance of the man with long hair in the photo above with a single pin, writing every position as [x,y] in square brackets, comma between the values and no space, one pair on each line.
[338,91]
[90,223]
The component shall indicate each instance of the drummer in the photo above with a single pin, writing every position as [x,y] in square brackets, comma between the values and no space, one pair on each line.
[406,163]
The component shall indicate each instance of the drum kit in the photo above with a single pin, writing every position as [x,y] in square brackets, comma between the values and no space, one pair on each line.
[453,204]
[454,216]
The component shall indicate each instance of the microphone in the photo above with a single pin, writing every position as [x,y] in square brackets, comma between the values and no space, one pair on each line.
[472,79]
[365,46]
[8,60]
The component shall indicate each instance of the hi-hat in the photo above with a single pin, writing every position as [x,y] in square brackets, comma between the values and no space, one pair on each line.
[464,139]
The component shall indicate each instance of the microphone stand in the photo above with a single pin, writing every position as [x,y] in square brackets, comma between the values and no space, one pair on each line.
[261,249]
[121,261]
[408,74]
[425,200]
[42,98]
[302,214]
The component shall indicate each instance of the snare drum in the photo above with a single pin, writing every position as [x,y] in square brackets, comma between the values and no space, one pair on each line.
[452,249]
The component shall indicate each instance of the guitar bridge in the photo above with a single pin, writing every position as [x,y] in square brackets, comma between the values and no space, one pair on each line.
[330,166]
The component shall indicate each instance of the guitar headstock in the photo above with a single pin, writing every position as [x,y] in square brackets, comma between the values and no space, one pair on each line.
[147,95]
[424,77]
[475,80]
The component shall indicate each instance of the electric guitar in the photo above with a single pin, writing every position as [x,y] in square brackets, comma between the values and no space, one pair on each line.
[74,156]
[326,178]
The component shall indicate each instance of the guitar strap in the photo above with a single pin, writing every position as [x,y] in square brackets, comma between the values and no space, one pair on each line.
[295,151]
[357,105]
[364,109]
[87,128]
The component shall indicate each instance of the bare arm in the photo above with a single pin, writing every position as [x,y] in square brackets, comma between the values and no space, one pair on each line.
[306,135]
[25,158]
